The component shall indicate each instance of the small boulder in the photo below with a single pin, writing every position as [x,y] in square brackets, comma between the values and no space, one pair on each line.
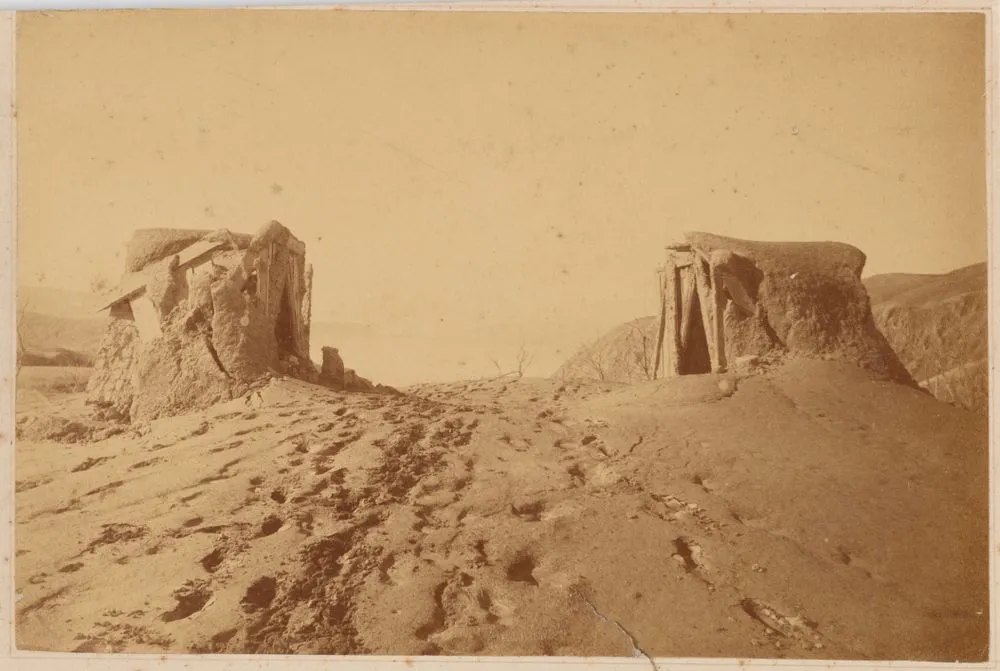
[333,371]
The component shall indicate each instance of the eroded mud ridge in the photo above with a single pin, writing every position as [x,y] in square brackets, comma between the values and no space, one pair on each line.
[811,511]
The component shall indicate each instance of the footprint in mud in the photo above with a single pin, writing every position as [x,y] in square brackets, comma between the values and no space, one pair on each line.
[193,522]
[88,463]
[213,560]
[480,558]
[304,522]
[104,489]
[71,568]
[702,481]
[789,626]
[316,489]
[253,429]
[384,566]
[222,474]
[25,485]
[689,555]
[259,595]
[200,431]
[522,569]
[577,476]
[530,511]
[270,526]
[223,637]
[485,602]
[228,446]
[191,598]
[116,533]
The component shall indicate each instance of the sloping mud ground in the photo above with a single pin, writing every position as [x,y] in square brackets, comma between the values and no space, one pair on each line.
[809,512]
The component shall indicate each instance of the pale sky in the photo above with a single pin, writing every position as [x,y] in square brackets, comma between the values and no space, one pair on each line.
[499,178]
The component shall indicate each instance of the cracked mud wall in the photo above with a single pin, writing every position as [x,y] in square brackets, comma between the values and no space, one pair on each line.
[219,325]
[110,388]
[177,373]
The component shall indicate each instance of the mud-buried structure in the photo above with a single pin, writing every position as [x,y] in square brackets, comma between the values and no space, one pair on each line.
[726,301]
[199,316]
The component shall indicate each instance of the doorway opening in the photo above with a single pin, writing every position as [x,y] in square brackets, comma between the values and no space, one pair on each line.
[695,357]
[284,327]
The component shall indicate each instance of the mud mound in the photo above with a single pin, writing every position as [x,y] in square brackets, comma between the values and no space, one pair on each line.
[809,511]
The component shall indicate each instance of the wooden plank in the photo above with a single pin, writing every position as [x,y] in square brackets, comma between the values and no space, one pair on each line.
[661,326]
[196,251]
[718,333]
[707,301]
[130,287]
[674,315]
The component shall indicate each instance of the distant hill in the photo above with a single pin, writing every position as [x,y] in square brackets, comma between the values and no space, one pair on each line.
[59,327]
[912,289]
[59,302]
[938,325]
[625,354]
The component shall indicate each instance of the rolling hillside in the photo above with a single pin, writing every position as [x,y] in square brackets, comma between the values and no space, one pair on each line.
[938,325]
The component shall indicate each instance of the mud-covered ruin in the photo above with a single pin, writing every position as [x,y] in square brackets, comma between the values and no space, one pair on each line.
[726,301]
[200,316]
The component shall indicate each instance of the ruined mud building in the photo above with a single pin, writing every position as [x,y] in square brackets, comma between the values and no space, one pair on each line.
[726,301]
[199,317]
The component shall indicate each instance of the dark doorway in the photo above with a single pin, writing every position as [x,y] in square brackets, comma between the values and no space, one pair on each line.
[284,330]
[694,355]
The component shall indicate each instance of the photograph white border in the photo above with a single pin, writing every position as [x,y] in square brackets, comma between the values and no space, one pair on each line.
[13,659]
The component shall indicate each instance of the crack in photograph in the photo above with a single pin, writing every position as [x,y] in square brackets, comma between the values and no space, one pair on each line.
[514,333]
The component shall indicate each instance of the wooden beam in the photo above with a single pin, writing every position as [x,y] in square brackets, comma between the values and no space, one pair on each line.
[661,328]
[706,301]
[718,334]
[674,317]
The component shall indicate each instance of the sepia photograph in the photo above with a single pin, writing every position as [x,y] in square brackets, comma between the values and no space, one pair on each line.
[496,334]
